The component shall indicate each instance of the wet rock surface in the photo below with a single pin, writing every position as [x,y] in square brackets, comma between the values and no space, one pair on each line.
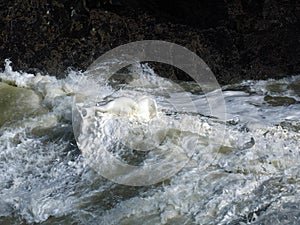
[238,39]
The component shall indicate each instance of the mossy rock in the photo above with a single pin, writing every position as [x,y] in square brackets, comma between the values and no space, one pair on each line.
[277,87]
[17,103]
[295,86]
[279,100]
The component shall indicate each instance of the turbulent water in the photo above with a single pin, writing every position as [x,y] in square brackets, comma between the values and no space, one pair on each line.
[247,174]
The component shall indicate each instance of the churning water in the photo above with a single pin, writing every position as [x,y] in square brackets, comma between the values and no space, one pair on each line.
[250,177]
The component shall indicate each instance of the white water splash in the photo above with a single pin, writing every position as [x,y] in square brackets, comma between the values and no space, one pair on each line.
[253,179]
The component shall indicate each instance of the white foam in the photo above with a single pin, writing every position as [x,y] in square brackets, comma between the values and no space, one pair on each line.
[255,171]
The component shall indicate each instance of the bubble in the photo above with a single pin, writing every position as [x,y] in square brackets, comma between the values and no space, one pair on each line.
[125,129]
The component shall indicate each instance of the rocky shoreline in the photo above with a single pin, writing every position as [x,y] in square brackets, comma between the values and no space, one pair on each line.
[238,39]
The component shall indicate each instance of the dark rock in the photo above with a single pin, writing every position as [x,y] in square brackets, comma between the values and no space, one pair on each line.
[238,39]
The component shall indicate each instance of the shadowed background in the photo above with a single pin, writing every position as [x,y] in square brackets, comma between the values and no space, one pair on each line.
[238,39]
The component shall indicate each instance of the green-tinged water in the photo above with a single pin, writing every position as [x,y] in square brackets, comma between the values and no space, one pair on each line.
[247,174]
[17,103]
